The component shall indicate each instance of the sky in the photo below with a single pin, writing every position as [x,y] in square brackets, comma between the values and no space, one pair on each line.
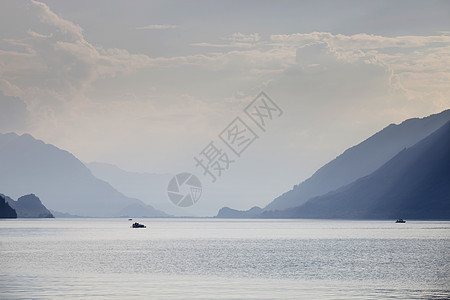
[147,85]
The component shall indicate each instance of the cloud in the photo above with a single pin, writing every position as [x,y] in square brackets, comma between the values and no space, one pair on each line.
[67,28]
[420,65]
[60,65]
[235,40]
[229,45]
[361,41]
[247,38]
[158,26]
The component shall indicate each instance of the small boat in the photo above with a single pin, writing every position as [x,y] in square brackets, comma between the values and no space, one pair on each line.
[400,220]
[137,225]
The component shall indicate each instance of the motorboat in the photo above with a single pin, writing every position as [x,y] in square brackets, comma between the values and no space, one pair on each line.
[400,220]
[138,225]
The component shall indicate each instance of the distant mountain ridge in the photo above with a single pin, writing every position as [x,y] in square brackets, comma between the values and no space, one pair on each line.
[30,166]
[356,162]
[59,214]
[415,184]
[361,160]
[151,188]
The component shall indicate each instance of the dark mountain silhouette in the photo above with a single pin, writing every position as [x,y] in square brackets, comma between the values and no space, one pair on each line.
[415,184]
[361,160]
[29,206]
[6,211]
[29,166]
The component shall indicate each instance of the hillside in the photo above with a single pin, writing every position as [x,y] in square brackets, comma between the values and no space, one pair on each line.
[29,206]
[413,185]
[151,188]
[6,211]
[361,160]
[30,166]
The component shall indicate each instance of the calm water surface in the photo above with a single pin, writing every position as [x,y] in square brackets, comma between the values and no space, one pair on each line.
[224,259]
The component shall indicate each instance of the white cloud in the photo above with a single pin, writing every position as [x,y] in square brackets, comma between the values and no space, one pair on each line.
[67,28]
[359,41]
[158,26]
[241,37]
[60,65]
[236,40]
[228,45]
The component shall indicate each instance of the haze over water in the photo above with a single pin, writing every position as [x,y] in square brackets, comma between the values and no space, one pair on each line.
[223,259]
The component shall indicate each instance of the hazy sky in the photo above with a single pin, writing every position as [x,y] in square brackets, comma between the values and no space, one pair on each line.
[148,85]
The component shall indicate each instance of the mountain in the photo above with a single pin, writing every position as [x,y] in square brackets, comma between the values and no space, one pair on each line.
[6,211]
[361,160]
[230,213]
[29,206]
[30,166]
[414,184]
[149,187]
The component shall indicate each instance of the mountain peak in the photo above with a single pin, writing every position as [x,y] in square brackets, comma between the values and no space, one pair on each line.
[30,166]
[362,159]
[413,184]
[29,206]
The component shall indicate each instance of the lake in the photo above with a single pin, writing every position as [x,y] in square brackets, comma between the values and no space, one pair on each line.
[224,259]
